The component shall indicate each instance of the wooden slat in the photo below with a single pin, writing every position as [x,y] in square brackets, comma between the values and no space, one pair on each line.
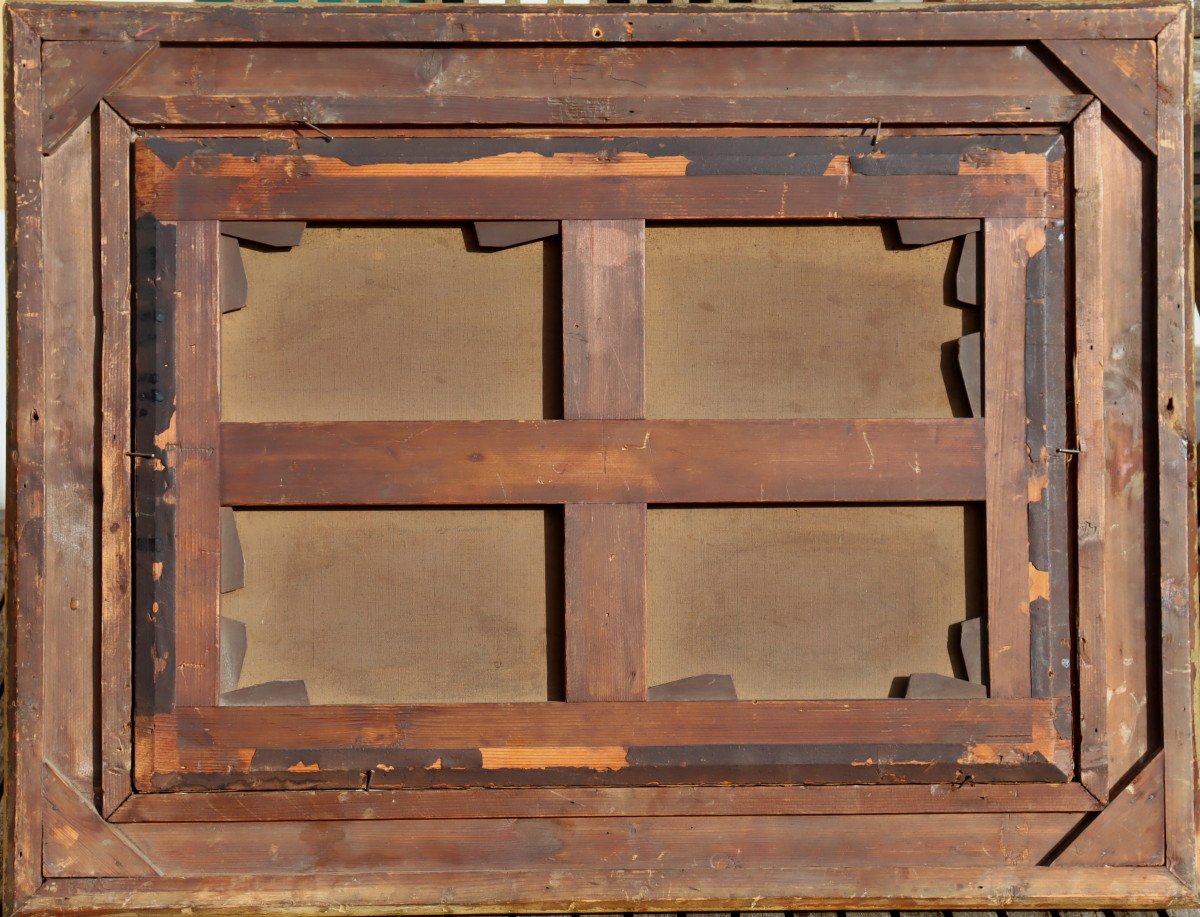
[78,75]
[78,842]
[592,802]
[628,461]
[352,178]
[604,319]
[1176,422]
[1048,523]
[1121,74]
[946,22]
[568,744]
[468,890]
[605,580]
[70,419]
[417,847]
[1090,476]
[191,446]
[613,84]
[25,543]
[604,377]
[1008,246]
[1126,271]
[116,613]
[1129,832]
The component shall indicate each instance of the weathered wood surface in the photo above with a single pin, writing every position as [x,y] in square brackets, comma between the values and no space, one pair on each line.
[116,465]
[475,891]
[1130,831]
[591,802]
[78,842]
[843,25]
[70,420]
[356,179]
[604,377]
[77,75]
[188,449]
[604,461]
[25,538]
[413,848]
[585,743]
[1176,426]
[1008,247]
[1122,76]
[898,84]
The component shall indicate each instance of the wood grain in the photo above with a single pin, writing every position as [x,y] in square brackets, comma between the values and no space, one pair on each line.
[116,535]
[604,377]
[78,75]
[70,421]
[600,84]
[593,802]
[25,532]
[1008,246]
[191,448]
[604,319]
[603,461]
[78,842]
[1130,830]
[474,891]
[605,743]
[1176,424]
[1121,74]
[356,179]
[1090,475]
[416,847]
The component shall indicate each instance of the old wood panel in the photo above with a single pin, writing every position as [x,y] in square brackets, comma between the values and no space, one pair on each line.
[592,802]
[116,535]
[189,446]
[604,377]
[1091,422]
[25,535]
[540,744]
[359,179]
[602,461]
[590,843]
[70,418]
[1176,424]
[564,85]
[601,25]
[1008,248]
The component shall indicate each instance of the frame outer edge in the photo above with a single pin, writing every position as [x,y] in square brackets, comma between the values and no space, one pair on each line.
[25,534]
[1176,444]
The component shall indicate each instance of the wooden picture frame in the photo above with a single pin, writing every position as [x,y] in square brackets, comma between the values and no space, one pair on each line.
[145,141]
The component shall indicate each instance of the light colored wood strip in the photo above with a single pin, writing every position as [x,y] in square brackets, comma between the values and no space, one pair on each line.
[1091,478]
[194,452]
[116,536]
[25,531]
[1008,246]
